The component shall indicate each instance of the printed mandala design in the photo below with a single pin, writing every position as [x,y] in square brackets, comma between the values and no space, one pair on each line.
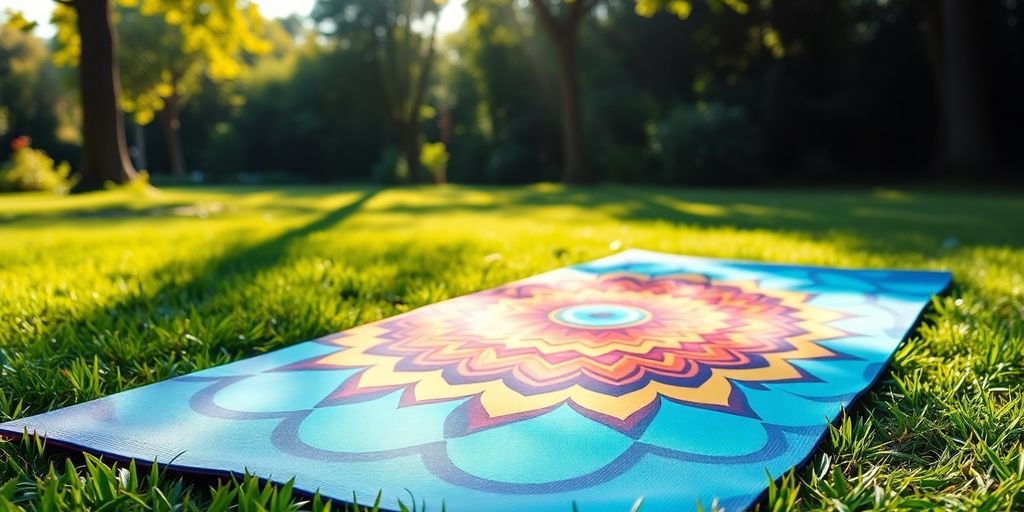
[682,380]
[610,346]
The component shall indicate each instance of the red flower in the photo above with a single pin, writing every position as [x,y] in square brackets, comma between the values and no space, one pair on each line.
[21,142]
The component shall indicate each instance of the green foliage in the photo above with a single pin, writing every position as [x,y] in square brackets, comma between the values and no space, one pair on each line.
[510,163]
[110,291]
[326,126]
[434,158]
[505,116]
[153,63]
[398,39]
[166,45]
[683,8]
[648,8]
[33,170]
[385,31]
[391,168]
[838,92]
[139,185]
[706,144]
[32,101]
[225,151]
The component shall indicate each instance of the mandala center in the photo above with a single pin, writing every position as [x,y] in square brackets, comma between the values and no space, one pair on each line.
[600,316]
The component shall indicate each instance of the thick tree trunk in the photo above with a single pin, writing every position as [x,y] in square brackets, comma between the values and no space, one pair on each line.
[577,170]
[104,150]
[966,138]
[169,123]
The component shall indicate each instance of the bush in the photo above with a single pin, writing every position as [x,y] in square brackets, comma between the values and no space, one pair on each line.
[434,158]
[391,167]
[467,151]
[509,164]
[33,170]
[225,152]
[624,164]
[712,144]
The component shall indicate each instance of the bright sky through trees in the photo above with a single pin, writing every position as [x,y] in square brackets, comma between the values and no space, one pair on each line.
[39,10]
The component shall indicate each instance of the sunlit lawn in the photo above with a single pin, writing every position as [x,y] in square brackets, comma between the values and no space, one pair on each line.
[148,287]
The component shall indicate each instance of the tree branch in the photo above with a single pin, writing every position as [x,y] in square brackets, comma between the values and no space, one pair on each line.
[428,60]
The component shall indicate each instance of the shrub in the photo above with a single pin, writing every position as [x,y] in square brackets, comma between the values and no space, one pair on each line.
[434,158]
[33,170]
[711,144]
[469,153]
[509,164]
[225,152]
[391,167]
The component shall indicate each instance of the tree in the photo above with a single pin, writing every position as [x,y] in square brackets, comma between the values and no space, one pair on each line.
[399,39]
[562,30]
[957,31]
[157,75]
[503,99]
[31,99]
[104,151]
[560,21]
[167,46]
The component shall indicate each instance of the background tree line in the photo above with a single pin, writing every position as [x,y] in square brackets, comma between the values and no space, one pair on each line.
[713,92]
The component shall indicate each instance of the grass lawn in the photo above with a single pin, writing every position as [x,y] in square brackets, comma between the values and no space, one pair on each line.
[108,291]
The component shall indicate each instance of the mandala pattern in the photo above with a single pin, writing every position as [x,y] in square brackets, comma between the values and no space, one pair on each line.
[682,380]
[609,346]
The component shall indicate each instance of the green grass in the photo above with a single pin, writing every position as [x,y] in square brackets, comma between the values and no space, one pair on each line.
[108,291]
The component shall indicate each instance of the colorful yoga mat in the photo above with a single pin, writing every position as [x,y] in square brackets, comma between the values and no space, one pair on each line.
[673,379]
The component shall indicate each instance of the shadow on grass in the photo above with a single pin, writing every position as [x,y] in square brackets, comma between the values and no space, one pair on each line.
[244,263]
[124,323]
[198,315]
[881,221]
[147,212]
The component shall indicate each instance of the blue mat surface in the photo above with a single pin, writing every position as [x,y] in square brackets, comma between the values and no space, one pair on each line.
[673,379]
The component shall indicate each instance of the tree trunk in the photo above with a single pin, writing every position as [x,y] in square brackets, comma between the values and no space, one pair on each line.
[411,147]
[169,123]
[104,150]
[965,142]
[933,43]
[563,34]
[577,171]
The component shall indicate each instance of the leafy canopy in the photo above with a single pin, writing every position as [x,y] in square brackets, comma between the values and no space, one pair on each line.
[166,45]
[683,8]
[397,36]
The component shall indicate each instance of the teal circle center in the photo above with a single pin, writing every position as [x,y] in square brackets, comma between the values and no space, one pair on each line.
[600,316]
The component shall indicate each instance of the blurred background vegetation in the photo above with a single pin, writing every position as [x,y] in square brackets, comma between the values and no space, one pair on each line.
[709,92]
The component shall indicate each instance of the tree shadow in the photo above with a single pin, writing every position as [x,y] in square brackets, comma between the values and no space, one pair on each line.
[206,292]
[144,211]
[880,221]
[245,262]
[185,291]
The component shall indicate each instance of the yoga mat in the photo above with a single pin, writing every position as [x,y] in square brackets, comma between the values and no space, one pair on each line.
[672,379]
